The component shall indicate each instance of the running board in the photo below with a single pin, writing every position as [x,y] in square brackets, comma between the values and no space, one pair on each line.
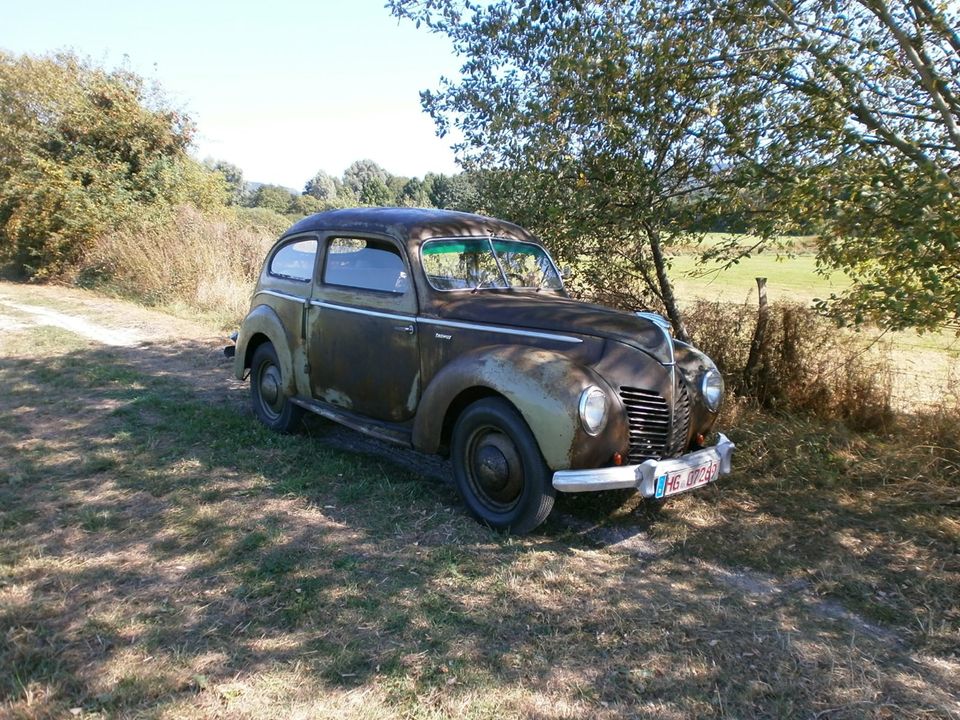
[390,432]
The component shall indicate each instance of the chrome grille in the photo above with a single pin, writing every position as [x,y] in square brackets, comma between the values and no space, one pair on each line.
[681,419]
[649,417]
[652,435]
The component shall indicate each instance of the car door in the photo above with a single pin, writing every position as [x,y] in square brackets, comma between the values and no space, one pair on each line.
[362,330]
[285,287]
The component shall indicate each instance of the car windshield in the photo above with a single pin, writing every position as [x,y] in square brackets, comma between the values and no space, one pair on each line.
[481,263]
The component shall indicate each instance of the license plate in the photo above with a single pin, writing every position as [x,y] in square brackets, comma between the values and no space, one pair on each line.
[674,481]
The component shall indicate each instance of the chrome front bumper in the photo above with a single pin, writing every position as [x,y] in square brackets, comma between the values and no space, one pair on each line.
[643,476]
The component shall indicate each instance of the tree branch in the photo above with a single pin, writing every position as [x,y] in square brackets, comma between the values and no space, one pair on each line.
[925,72]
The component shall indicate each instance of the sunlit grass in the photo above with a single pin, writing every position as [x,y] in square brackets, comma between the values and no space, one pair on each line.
[922,361]
[788,278]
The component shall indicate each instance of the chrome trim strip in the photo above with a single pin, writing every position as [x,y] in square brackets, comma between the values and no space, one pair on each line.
[499,329]
[608,478]
[284,296]
[362,311]
[447,323]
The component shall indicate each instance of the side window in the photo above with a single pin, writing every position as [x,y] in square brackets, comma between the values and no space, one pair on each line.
[365,264]
[295,260]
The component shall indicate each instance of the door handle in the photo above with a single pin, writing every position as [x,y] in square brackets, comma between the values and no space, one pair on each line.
[408,329]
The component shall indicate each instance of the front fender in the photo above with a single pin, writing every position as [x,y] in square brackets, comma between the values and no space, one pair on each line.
[264,321]
[543,385]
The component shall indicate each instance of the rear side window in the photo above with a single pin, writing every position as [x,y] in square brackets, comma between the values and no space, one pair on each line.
[295,260]
[366,265]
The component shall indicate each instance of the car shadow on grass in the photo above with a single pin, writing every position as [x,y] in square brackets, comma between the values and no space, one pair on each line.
[161,552]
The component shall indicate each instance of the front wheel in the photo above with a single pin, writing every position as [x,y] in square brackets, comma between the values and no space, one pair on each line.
[270,404]
[498,468]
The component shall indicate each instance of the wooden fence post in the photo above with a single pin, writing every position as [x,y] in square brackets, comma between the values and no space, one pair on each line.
[750,384]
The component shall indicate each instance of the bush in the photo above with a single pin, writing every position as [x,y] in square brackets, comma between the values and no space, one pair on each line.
[84,152]
[262,220]
[202,262]
[806,365]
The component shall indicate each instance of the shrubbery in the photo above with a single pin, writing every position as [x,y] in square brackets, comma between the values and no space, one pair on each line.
[806,365]
[84,152]
[199,261]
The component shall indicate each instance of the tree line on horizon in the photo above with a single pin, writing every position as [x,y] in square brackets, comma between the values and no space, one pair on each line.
[86,152]
[363,183]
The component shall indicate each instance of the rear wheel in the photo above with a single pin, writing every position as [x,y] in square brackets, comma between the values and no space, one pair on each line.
[270,404]
[499,470]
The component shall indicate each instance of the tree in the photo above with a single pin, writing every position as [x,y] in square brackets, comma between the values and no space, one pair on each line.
[84,150]
[361,172]
[614,128]
[232,176]
[396,183]
[413,194]
[305,205]
[454,192]
[602,128]
[321,186]
[273,197]
[374,192]
[367,184]
[880,86]
[346,197]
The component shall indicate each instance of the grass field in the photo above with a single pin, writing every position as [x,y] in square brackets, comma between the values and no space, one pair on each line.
[163,556]
[788,278]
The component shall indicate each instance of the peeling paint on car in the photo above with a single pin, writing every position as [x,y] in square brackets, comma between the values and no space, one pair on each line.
[414,395]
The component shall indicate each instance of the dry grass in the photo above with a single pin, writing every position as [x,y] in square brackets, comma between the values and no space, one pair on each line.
[921,362]
[162,556]
[193,263]
[808,365]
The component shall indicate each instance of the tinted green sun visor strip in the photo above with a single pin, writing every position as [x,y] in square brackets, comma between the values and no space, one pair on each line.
[446,247]
[443,247]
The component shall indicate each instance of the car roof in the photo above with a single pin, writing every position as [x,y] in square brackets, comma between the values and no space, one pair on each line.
[413,225]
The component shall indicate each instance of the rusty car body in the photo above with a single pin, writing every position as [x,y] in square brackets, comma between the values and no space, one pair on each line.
[452,333]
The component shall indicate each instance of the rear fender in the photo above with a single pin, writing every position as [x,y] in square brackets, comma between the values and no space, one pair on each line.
[263,321]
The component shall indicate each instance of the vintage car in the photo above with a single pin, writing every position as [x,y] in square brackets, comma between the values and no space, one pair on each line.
[452,333]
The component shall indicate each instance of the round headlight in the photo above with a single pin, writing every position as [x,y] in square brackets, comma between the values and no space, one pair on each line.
[711,387]
[593,409]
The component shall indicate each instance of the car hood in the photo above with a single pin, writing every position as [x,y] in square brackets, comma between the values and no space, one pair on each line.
[554,313]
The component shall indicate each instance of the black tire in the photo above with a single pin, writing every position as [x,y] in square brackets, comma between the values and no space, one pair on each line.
[270,405]
[498,468]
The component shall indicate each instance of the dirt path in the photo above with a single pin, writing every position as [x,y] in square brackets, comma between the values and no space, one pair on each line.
[38,315]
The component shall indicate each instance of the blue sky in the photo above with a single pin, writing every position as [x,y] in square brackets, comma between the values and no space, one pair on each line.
[281,89]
